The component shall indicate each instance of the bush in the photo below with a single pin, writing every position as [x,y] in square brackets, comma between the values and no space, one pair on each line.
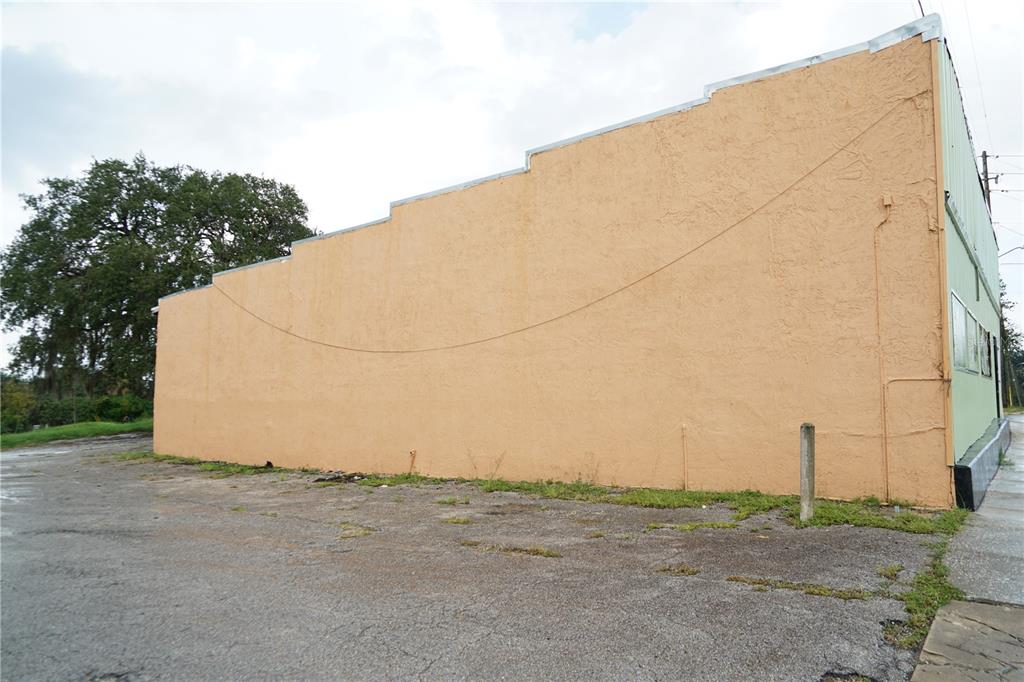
[53,412]
[17,403]
[21,409]
[122,408]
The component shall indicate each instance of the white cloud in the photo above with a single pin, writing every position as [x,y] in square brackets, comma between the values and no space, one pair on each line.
[361,104]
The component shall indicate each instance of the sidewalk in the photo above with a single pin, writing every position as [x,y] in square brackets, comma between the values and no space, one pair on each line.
[985,641]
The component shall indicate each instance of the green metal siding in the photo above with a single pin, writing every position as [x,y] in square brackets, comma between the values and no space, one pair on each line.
[971,259]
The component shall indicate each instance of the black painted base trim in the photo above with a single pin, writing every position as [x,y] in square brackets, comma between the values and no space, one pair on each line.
[978,466]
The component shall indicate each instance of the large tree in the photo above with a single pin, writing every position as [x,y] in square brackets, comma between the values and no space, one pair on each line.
[81,276]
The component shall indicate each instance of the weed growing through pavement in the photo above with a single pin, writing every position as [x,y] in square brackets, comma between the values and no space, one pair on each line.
[679,569]
[806,588]
[352,530]
[531,550]
[690,527]
[890,572]
[929,591]
[865,512]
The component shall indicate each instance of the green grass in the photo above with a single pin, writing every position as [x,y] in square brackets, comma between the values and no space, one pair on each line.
[218,469]
[377,480]
[153,457]
[828,513]
[352,530]
[69,431]
[1013,409]
[890,572]
[865,512]
[532,550]
[930,591]
[690,527]
[807,588]
[744,503]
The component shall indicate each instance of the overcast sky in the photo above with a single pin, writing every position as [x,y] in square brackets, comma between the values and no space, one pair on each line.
[357,105]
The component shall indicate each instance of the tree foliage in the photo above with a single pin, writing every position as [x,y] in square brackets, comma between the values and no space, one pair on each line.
[1012,343]
[98,251]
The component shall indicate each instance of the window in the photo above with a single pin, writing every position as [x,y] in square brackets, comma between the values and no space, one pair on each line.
[959,314]
[972,343]
[968,337]
[986,353]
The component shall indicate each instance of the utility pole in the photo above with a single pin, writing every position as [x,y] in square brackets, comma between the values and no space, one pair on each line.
[984,178]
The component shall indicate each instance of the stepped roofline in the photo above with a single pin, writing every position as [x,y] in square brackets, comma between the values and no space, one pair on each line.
[928,27]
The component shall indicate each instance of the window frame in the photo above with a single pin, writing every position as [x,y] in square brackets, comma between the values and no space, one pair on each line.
[985,351]
[958,323]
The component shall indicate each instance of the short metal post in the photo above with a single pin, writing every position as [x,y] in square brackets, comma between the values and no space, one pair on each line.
[806,471]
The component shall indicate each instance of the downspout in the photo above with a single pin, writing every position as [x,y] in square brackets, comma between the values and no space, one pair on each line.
[883,386]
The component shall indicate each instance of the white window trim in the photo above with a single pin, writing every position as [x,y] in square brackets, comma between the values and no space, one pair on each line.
[969,319]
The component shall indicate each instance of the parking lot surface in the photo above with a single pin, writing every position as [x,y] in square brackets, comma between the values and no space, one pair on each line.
[133,570]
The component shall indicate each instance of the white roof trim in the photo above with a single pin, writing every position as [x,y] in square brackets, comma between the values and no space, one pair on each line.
[928,27]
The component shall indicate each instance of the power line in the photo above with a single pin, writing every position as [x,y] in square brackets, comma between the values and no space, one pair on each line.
[1019,234]
[1011,164]
[840,149]
[977,71]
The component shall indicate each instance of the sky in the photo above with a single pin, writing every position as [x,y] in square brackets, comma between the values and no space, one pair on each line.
[357,105]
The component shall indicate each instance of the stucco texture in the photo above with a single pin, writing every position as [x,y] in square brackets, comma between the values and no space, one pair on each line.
[801,297]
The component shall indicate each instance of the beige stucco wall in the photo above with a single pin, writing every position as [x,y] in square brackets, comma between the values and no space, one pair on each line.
[698,376]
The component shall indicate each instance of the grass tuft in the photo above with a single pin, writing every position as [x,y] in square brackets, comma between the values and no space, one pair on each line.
[352,530]
[890,572]
[70,431]
[457,520]
[679,569]
[846,593]
[690,527]
[532,550]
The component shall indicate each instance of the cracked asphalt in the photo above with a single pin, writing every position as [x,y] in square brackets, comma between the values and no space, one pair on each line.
[132,570]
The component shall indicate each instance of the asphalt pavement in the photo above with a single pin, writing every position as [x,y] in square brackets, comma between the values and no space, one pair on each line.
[115,569]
